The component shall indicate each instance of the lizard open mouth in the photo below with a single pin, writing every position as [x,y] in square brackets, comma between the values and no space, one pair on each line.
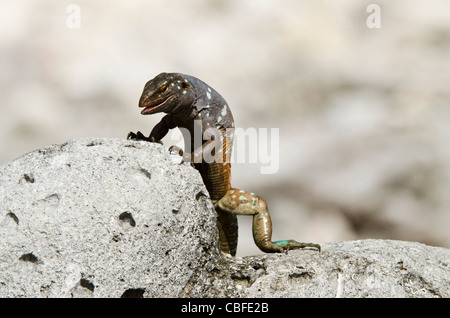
[151,106]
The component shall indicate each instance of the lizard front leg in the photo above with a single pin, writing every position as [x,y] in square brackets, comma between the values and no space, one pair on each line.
[158,132]
[242,202]
[140,136]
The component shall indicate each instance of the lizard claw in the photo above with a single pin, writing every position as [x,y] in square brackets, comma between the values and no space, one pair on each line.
[131,135]
[152,139]
[178,151]
[136,136]
[140,136]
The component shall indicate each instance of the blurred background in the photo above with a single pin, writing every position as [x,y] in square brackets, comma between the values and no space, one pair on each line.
[363,112]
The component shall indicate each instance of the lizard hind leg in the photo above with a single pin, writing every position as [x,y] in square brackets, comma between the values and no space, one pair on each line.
[242,202]
[228,232]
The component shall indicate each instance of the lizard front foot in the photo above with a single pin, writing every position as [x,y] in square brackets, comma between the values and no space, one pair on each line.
[140,136]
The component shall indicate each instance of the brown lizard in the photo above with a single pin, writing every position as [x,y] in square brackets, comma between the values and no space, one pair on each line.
[195,107]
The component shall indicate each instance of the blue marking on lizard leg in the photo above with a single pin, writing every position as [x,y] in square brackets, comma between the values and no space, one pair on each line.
[281,242]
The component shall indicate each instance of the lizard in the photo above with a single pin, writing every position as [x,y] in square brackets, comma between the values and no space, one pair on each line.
[195,107]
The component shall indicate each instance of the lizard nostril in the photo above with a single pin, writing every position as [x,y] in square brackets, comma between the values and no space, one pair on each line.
[143,102]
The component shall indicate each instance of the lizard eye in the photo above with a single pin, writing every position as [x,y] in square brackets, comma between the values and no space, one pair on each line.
[163,88]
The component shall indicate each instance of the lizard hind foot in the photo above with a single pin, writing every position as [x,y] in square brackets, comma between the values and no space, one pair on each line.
[176,150]
[293,244]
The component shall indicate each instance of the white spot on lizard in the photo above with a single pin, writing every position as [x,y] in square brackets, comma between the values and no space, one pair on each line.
[224,110]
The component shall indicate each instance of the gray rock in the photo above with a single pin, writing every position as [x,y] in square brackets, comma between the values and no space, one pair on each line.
[103,217]
[366,268]
[116,218]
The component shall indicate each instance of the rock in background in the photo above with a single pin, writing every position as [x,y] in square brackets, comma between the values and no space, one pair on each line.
[363,113]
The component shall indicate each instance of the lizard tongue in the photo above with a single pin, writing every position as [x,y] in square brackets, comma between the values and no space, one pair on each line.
[145,102]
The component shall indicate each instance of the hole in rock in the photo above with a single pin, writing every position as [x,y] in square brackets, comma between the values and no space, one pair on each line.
[87,284]
[13,216]
[133,293]
[126,218]
[30,257]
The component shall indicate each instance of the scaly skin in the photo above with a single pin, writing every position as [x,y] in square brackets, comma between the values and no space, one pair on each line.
[197,109]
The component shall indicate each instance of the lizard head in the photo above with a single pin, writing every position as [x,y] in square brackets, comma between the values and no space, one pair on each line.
[168,93]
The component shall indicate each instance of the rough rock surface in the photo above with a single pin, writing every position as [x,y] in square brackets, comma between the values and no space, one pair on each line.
[103,217]
[366,268]
[116,218]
